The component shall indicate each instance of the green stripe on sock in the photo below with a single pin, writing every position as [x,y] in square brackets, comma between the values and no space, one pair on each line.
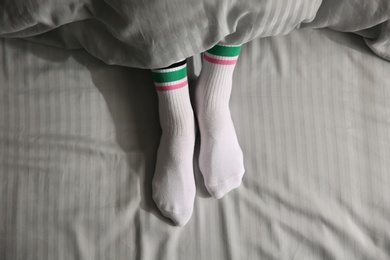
[227,51]
[163,77]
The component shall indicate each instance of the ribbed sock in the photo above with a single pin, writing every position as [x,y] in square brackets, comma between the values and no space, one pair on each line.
[173,181]
[220,157]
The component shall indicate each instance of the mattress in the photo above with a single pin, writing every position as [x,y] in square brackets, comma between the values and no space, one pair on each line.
[78,144]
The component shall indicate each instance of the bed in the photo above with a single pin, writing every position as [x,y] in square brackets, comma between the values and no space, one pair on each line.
[78,143]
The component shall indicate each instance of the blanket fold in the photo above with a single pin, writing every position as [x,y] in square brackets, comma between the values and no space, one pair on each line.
[157,33]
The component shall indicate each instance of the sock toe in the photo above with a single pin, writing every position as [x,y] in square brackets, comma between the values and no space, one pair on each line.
[219,190]
[178,218]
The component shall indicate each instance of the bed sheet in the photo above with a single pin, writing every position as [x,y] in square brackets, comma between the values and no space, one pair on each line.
[78,142]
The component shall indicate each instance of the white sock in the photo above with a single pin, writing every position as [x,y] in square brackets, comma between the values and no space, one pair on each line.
[220,158]
[173,181]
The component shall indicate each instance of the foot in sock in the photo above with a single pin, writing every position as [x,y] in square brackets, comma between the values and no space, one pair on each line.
[220,157]
[173,182]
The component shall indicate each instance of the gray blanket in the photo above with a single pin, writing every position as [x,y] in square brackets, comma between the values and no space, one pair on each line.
[155,33]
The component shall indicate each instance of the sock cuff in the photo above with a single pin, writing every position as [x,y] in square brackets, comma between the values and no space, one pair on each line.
[223,55]
[169,75]
[225,51]
[170,78]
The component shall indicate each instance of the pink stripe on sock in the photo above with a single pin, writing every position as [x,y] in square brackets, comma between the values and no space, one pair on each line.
[216,61]
[172,87]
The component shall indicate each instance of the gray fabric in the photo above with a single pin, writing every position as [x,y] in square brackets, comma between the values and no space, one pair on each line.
[153,33]
[157,33]
[78,143]
[369,19]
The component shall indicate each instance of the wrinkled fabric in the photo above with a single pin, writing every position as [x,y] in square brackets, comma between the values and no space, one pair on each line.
[369,19]
[78,143]
[156,33]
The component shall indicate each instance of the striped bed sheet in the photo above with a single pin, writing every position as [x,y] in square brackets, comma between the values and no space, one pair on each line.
[78,142]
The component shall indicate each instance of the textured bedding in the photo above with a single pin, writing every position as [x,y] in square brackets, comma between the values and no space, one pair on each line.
[157,33]
[78,142]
